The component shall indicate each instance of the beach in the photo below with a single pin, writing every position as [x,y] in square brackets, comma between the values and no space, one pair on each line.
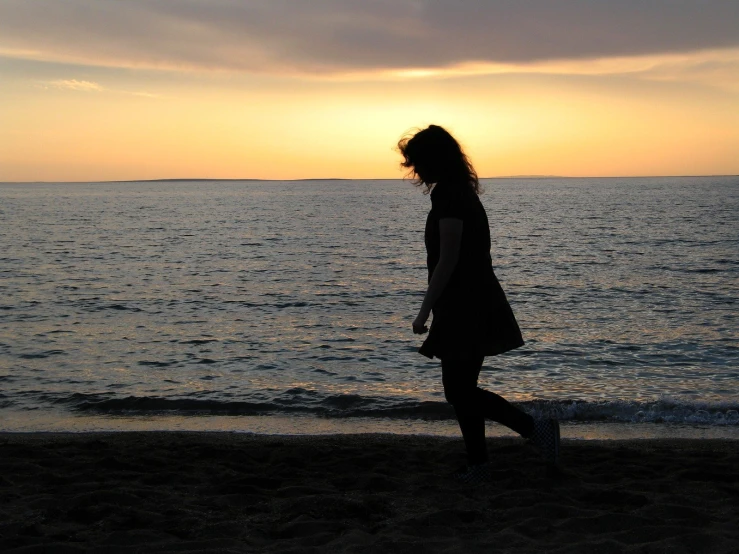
[234,492]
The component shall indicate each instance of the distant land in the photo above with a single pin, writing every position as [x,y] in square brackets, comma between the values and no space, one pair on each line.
[532,177]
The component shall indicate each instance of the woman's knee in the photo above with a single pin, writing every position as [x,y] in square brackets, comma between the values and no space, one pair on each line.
[457,393]
[460,380]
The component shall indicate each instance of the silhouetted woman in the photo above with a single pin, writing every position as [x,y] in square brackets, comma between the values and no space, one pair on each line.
[472,317]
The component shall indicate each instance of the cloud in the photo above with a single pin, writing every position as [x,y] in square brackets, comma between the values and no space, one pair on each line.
[717,68]
[142,94]
[74,84]
[356,36]
[89,86]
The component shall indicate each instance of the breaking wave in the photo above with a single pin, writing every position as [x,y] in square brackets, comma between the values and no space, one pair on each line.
[301,401]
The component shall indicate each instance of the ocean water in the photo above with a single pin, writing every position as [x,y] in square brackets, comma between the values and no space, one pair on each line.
[292,301]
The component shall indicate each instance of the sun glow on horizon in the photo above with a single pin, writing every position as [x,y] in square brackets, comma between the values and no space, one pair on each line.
[645,115]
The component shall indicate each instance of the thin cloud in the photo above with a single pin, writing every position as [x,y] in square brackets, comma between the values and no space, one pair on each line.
[74,84]
[142,94]
[717,68]
[89,86]
[331,37]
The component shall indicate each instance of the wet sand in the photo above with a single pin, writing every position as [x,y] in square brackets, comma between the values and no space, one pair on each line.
[227,492]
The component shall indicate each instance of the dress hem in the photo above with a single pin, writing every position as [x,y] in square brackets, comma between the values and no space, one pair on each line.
[429,352]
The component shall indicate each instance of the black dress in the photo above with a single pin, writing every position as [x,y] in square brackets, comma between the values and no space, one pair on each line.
[472,317]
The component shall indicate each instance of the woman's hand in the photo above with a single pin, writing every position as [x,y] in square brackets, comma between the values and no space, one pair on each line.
[419,324]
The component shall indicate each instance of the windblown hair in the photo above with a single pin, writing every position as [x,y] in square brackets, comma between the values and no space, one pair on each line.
[432,155]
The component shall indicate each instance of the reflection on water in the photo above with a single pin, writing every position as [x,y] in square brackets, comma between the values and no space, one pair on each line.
[625,289]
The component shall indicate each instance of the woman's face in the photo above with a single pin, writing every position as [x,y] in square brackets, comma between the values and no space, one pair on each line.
[424,173]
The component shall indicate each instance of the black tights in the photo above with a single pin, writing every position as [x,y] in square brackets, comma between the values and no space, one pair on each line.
[473,405]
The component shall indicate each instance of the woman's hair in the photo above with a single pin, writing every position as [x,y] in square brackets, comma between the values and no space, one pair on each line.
[433,155]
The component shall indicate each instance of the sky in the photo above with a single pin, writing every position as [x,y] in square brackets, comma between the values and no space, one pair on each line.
[95,90]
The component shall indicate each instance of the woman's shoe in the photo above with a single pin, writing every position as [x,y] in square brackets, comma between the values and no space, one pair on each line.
[546,438]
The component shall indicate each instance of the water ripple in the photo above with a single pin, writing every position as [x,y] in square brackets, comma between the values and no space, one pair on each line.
[626,291]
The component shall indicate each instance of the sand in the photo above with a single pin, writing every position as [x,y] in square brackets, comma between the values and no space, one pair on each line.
[227,492]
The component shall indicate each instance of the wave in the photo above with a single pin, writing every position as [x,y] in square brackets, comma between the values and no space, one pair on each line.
[300,401]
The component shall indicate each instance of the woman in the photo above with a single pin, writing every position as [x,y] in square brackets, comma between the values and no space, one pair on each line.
[472,317]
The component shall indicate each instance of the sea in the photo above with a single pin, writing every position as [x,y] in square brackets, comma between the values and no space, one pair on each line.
[285,307]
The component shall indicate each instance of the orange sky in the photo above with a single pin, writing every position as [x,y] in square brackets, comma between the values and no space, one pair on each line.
[71,113]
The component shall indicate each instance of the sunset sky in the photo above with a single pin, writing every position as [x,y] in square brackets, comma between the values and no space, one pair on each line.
[283,89]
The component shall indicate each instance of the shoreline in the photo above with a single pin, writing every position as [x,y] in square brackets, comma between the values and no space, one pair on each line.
[8,437]
[235,492]
[55,421]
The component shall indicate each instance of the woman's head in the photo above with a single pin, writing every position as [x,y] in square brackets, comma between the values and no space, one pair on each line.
[433,155]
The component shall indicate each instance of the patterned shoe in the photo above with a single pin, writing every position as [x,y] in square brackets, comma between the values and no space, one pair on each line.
[473,474]
[546,439]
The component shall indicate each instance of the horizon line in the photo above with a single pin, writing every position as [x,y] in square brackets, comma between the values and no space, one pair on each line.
[203,179]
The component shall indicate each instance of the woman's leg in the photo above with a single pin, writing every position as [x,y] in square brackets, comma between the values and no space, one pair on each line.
[498,409]
[473,405]
[459,378]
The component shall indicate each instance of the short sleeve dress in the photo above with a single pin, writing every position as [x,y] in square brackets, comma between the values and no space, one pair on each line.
[472,317]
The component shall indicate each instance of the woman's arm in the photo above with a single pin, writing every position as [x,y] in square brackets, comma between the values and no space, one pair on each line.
[450,235]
